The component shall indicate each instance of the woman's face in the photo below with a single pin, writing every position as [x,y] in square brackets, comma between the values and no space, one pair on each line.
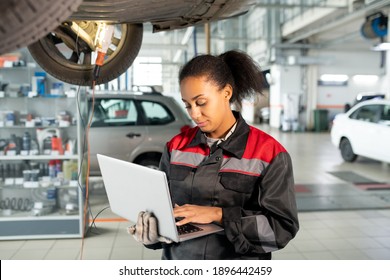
[207,105]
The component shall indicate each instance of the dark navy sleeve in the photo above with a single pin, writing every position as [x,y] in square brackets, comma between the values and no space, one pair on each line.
[276,222]
[165,161]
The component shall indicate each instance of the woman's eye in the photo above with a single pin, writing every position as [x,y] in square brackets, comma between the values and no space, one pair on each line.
[201,103]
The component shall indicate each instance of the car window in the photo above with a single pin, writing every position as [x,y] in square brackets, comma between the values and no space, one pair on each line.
[369,113]
[385,115]
[156,113]
[114,112]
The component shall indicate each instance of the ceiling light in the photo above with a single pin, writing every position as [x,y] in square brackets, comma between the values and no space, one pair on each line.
[381,47]
[365,78]
[334,78]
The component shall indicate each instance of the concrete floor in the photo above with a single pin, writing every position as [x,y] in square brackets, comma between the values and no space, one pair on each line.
[339,220]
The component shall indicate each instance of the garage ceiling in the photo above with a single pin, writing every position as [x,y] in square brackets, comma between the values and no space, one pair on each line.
[338,28]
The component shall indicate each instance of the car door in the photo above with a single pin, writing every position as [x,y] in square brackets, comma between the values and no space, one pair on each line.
[161,123]
[117,129]
[363,131]
[383,133]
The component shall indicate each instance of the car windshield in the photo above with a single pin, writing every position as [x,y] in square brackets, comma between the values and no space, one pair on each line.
[364,97]
[375,113]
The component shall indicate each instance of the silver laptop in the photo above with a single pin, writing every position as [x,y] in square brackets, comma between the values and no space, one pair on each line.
[132,188]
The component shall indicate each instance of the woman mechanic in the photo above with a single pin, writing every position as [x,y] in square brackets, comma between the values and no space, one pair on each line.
[223,170]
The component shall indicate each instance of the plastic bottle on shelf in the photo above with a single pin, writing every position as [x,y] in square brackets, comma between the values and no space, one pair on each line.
[1,172]
[7,171]
[52,168]
[18,170]
[12,146]
[38,84]
[12,171]
[44,169]
[19,142]
[26,146]
[46,146]
[56,145]
[57,89]
[10,118]
[66,167]
[58,166]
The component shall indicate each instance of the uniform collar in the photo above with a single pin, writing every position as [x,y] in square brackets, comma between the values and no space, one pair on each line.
[232,145]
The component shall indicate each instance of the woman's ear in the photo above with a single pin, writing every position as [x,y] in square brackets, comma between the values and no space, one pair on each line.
[228,91]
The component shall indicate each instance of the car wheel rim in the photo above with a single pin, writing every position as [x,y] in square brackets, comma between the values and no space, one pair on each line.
[76,53]
[346,150]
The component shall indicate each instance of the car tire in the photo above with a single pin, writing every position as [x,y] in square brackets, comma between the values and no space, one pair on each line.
[153,163]
[347,151]
[50,58]
[23,22]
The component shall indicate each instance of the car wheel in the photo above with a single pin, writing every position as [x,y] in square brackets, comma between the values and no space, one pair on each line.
[346,150]
[150,162]
[68,58]
[23,22]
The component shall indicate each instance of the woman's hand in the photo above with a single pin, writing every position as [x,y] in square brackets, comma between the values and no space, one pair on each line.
[146,231]
[197,214]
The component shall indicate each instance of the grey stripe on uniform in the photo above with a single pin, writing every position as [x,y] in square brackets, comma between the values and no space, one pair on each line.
[266,234]
[187,158]
[253,166]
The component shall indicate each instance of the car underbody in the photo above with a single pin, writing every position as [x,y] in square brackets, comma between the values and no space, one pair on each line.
[65,45]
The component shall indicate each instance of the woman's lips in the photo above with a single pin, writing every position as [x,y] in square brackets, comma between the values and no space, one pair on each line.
[201,124]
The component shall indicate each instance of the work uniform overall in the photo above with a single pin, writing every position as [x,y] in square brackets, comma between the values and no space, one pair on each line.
[249,176]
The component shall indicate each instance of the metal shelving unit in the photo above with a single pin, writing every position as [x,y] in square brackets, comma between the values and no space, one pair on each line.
[44,205]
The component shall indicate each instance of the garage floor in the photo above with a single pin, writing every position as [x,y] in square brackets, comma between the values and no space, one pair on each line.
[342,215]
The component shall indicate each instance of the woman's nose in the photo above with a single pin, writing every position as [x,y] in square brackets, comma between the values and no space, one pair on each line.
[195,113]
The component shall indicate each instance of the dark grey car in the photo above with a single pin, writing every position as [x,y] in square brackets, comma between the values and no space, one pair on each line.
[134,127]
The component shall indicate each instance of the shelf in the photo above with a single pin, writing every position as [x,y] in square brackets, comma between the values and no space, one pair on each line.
[45,96]
[64,221]
[18,183]
[41,227]
[40,126]
[39,157]
[21,216]
[18,68]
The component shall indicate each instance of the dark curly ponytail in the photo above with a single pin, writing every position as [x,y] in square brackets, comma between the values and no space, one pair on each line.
[232,67]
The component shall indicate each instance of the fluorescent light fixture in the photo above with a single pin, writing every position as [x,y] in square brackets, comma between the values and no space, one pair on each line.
[365,78]
[184,41]
[291,60]
[334,78]
[177,55]
[187,35]
[269,79]
[381,47]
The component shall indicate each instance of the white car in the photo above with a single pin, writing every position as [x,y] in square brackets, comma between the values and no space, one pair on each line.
[364,131]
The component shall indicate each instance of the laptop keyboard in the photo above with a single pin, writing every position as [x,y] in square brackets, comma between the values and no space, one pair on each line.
[188,228]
